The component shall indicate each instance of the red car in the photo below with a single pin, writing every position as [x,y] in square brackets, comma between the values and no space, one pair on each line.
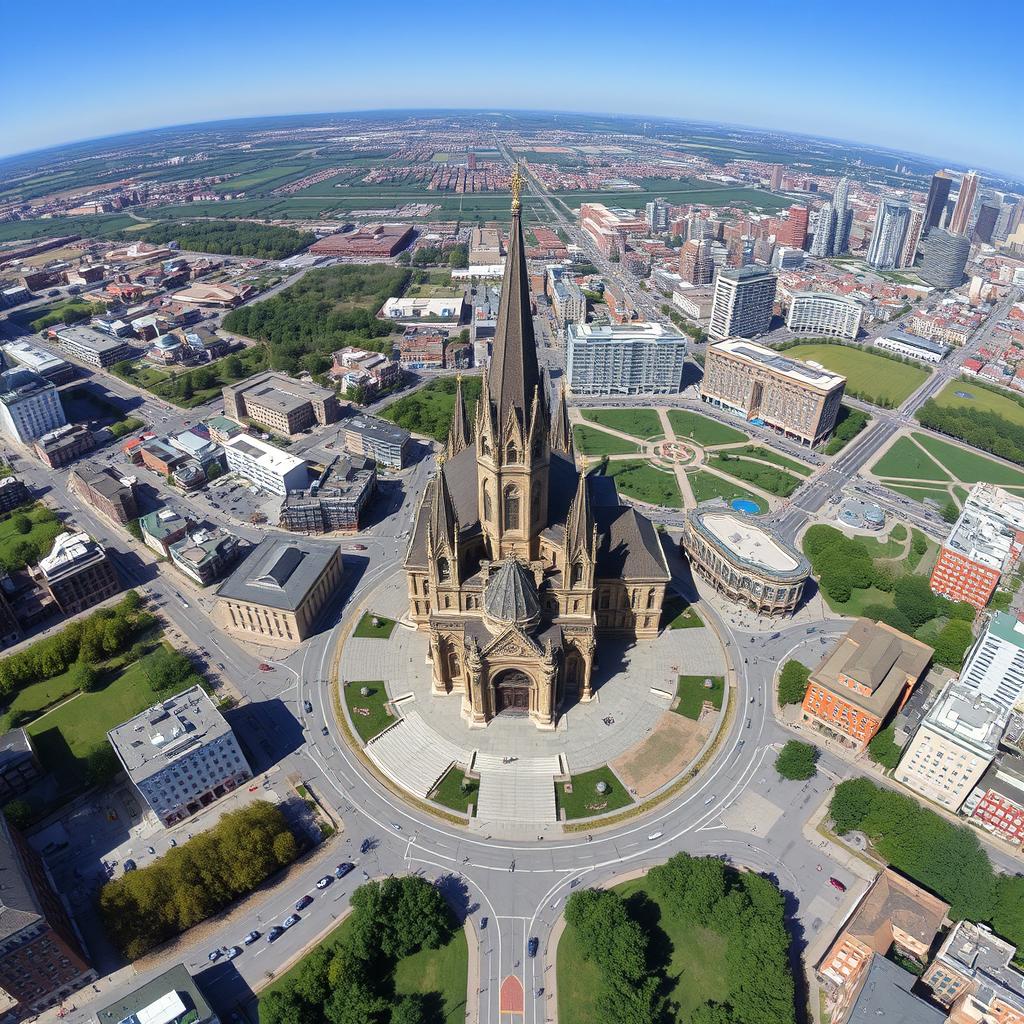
[836,884]
[264,667]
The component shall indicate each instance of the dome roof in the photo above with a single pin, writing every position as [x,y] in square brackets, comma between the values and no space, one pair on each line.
[511,595]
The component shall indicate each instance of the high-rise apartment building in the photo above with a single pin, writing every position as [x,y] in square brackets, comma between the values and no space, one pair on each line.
[889,235]
[777,174]
[793,230]
[836,316]
[743,303]
[938,196]
[915,225]
[843,215]
[821,244]
[696,264]
[657,216]
[624,359]
[962,220]
[608,227]
[794,398]
[945,258]
[985,224]
[994,667]
[29,406]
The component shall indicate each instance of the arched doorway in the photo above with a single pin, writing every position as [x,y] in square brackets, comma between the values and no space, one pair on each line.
[512,692]
[573,672]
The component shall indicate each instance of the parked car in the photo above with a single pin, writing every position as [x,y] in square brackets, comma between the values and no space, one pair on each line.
[343,869]
[307,706]
[130,865]
[301,904]
[532,946]
[322,883]
[233,952]
[264,667]
[836,884]
[325,731]
[251,938]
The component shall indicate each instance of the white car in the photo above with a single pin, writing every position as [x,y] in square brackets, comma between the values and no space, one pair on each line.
[324,882]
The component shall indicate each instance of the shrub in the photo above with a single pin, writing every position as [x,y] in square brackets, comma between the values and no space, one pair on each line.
[883,749]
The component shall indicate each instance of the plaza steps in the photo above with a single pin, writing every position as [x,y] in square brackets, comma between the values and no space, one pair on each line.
[414,755]
[523,790]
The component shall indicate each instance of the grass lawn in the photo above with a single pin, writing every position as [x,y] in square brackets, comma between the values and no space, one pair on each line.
[968,466]
[368,631]
[906,461]
[920,493]
[591,441]
[755,451]
[429,411]
[45,527]
[983,400]
[38,696]
[642,423]
[376,719]
[692,694]
[866,373]
[859,600]
[768,478]
[584,801]
[166,386]
[706,486]
[703,430]
[450,790]
[638,479]
[960,493]
[686,619]
[694,957]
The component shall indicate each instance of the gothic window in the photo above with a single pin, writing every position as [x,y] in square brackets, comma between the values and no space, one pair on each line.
[511,507]
[426,588]
[511,453]
[444,570]
[650,598]
[453,665]
[485,448]
[603,600]
[576,575]
[632,599]
[488,511]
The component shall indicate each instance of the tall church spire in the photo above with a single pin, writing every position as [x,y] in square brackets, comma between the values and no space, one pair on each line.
[561,431]
[579,530]
[459,431]
[443,525]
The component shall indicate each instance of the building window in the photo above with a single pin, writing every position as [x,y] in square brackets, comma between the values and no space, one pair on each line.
[576,575]
[488,511]
[444,570]
[511,453]
[511,507]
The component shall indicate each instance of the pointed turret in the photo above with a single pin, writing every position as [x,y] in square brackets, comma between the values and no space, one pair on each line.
[579,529]
[460,431]
[443,525]
[561,431]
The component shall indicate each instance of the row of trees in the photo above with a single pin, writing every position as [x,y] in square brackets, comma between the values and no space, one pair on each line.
[69,313]
[849,423]
[943,857]
[229,237]
[691,330]
[105,633]
[191,882]
[350,982]
[167,670]
[979,428]
[330,307]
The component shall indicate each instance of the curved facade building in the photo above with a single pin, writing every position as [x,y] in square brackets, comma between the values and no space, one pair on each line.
[834,316]
[745,562]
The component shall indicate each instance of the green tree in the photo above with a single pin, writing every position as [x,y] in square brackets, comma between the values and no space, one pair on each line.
[913,597]
[21,524]
[187,390]
[851,802]
[950,513]
[84,677]
[952,642]
[18,813]
[234,369]
[883,749]
[793,682]
[409,1010]
[797,760]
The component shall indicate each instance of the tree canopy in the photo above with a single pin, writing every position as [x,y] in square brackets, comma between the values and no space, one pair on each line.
[793,682]
[797,760]
[229,237]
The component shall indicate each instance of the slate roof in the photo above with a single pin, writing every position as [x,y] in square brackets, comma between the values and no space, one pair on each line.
[511,594]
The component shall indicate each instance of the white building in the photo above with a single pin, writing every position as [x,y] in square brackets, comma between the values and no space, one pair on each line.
[822,313]
[743,303]
[29,406]
[46,364]
[889,236]
[953,746]
[925,350]
[995,665]
[449,309]
[624,359]
[266,466]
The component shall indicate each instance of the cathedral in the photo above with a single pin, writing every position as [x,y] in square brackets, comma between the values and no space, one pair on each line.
[519,564]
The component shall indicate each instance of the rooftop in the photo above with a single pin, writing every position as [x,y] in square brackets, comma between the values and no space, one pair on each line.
[164,1000]
[69,552]
[974,951]
[1007,628]
[745,274]
[972,720]
[915,341]
[623,332]
[279,573]
[34,358]
[86,337]
[378,430]
[886,998]
[751,543]
[806,373]
[162,523]
[266,455]
[279,391]
[21,383]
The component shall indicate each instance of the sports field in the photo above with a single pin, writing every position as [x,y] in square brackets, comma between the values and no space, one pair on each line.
[871,376]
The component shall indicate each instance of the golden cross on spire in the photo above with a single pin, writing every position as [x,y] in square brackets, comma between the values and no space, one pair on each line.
[517,186]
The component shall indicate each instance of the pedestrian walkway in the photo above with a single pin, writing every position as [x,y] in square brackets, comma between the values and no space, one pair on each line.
[522,790]
[413,755]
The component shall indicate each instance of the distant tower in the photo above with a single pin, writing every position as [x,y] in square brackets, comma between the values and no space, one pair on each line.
[471,161]
[793,231]
[843,217]
[777,174]
[695,262]
[913,236]
[963,213]
[821,244]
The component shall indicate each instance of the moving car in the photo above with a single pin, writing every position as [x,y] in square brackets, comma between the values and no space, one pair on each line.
[274,933]
[301,904]
[213,956]
[290,920]
[322,883]
[233,952]
[343,869]
[264,667]
[307,706]
[251,938]
[836,884]
[532,946]
[325,731]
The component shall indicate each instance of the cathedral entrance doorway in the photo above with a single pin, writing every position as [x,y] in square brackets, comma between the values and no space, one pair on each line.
[512,690]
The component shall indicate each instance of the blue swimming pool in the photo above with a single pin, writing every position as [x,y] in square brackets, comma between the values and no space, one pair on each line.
[743,505]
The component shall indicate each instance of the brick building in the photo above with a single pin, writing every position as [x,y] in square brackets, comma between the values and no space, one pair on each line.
[997,801]
[107,491]
[62,446]
[371,240]
[279,403]
[77,573]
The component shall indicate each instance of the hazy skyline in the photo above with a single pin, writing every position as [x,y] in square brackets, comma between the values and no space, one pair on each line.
[918,78]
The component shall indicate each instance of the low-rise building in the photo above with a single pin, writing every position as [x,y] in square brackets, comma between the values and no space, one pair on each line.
[421,349]
[156,454]
[13,493]
[624,359]
[266,466]
[20,768]
[693,302]
[385,443]
[370,371]
[745,562]
[38,360]
[181,755]
[222,429]
[205,553]
[334,501]
[276,595]
[366,242]
[171,998]
[29,406]
[887,991]
[221,296]
[867,674]
[107,491]
[92,347]
[62,446]
[953,747]
[924,350]
[162,528]
[485,248]
[279,403]
[203,450]
[996,803]
[446,308]
[822,313]
[77,573]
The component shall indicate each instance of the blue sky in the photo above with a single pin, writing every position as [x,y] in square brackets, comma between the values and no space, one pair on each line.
[937,78]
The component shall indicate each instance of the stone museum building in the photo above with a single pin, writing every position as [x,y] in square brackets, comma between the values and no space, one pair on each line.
[519,564]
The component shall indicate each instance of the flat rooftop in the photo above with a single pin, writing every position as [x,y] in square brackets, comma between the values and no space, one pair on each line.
[377,430]
[980,539]
[86,337]
[615,333]
[810,374]
[266,455]
[750,543]
[915,341]
[278,391]
[166,999]
[34,358]
[278,573]
[21,383]
[971,719]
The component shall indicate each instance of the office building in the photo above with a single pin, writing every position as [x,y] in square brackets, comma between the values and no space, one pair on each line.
[624,359]
[962,221]
[793,231]
[42,962]
[181,755]
[866,675]
[485,248]
[996,803]
[62,446]
[13,493]
[608,227]
[938,195]
[567,299]
[983,542]
[385,443]
[695,303]
[696,264]
[822,313]
[77,573]
[778,172]
[824,228]
[205,553]
[173,997]
[657,216]
[265,466]
[745,561]
[335,500]
[985,223]
[366,242]
[953,747]
[19,764]
[92,347]
[912,239]
[162,528]
[994,667]
[448,308]
[743,303]
[279,403]
[38,360]
[787,258]
[107,491]
[888,991]
[29,406]
[911,346]
[945,257]
[797,399]
[277,593]
[222,429]
[889,235]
